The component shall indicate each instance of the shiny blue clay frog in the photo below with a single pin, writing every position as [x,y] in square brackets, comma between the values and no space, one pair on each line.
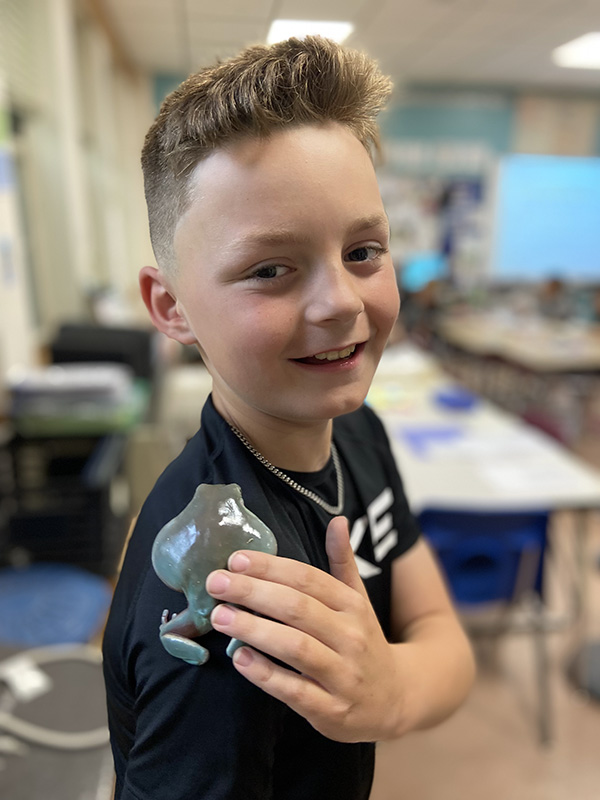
[200,539]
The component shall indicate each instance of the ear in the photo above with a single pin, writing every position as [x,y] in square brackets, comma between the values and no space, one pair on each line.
[163,307]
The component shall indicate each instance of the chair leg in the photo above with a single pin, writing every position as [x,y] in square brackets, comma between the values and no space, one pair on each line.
[543,673]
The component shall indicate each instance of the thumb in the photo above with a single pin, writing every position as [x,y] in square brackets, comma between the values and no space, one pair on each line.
[340,555]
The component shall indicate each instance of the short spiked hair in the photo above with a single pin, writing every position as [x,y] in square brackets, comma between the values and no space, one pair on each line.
[261,90]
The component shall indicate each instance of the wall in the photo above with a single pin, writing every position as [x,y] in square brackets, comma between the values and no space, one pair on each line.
[426,120]
[16,344]
[80,119]
[442,142]
[432,114]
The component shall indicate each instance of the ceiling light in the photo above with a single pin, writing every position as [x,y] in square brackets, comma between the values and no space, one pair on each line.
[284,28]
[581,53]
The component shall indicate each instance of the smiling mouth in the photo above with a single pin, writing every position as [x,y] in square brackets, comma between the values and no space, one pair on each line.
[329,356]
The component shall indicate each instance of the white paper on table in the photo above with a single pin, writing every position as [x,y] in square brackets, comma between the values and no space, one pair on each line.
[525,477]
[487,445]
[481,447]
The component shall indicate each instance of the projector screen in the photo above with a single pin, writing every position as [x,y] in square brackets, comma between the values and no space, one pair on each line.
[546,219]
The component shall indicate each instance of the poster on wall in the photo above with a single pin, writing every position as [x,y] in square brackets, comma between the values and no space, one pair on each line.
[16,330]
[439,228]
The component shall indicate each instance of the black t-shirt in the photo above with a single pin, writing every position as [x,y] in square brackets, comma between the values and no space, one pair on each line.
[183,732]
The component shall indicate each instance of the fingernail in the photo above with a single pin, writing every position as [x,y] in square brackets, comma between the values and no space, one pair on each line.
[222,615]
[243,657]
[238,562]
[218,582]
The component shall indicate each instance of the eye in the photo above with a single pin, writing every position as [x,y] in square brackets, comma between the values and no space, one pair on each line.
[269,272]
[365,253]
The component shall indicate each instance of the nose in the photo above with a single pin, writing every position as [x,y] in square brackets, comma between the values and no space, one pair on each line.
[335,295]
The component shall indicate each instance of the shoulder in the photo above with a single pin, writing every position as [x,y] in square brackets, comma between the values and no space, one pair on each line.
[172,491]
[197,463]
[174,487]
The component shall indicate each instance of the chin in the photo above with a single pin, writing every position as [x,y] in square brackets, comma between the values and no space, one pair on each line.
[333,407]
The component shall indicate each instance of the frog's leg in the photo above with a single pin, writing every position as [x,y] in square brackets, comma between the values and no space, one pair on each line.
[175,633]
[182,623]
[233,645]
[180,647]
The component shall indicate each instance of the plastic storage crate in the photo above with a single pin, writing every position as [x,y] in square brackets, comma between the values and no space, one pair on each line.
[61,507]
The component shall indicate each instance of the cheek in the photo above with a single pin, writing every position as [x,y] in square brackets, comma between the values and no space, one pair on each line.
[385,302]
[247,333]
[269,326]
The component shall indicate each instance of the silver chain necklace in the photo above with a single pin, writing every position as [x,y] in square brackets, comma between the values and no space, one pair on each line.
[333,510]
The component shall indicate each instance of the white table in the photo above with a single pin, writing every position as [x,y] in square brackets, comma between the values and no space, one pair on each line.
[533,343]
[480,459]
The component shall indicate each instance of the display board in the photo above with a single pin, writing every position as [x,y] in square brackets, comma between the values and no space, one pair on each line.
[546,219]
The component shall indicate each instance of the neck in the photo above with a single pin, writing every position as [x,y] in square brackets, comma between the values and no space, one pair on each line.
[298,446]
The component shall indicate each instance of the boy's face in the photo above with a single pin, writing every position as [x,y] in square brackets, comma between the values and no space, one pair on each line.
[283,257]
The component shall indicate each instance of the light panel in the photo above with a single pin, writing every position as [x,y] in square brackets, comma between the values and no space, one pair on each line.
[285,28]
[580,53]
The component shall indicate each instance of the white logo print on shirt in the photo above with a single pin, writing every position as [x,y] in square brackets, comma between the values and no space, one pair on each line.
[380,521]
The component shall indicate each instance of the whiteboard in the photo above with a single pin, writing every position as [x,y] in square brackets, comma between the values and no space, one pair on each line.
[546,219]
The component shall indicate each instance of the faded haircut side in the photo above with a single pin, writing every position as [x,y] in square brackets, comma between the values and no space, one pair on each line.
[262,89]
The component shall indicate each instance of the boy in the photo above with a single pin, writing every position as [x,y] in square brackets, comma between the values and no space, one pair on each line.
[272,246]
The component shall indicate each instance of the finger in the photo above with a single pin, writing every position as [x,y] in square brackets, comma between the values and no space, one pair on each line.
[283,603]
[289,645]
[340,555]
[304,578]
[299,692]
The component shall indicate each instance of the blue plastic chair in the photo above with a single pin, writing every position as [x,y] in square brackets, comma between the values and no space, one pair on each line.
[496,558]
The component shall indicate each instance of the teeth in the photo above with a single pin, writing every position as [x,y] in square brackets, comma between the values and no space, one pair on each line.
[334,355]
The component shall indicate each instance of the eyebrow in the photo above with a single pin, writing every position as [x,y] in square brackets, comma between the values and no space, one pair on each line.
[275,237]
[370,222]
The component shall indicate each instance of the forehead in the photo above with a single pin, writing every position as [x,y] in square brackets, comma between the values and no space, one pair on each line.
[301,176]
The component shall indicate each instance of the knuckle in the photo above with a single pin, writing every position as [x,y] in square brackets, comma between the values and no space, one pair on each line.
[305,579]
[358,603]
[349,679]
[297,693]
[334,721]
[244,589]
[260,564]
[356,641]
[340,710]
[301,648]
[298,609]
[267,670]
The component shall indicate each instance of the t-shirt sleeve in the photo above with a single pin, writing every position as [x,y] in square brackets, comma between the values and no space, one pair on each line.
[199,732]
[202,731]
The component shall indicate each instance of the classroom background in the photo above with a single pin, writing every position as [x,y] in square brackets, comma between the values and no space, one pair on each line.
[489,388]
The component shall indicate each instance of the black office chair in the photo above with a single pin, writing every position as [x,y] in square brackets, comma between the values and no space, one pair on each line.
[86,342]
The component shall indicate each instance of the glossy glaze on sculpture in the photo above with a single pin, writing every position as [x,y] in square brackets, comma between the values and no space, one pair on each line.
[200,539]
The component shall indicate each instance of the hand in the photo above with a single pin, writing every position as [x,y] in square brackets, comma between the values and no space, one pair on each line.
[347,685]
